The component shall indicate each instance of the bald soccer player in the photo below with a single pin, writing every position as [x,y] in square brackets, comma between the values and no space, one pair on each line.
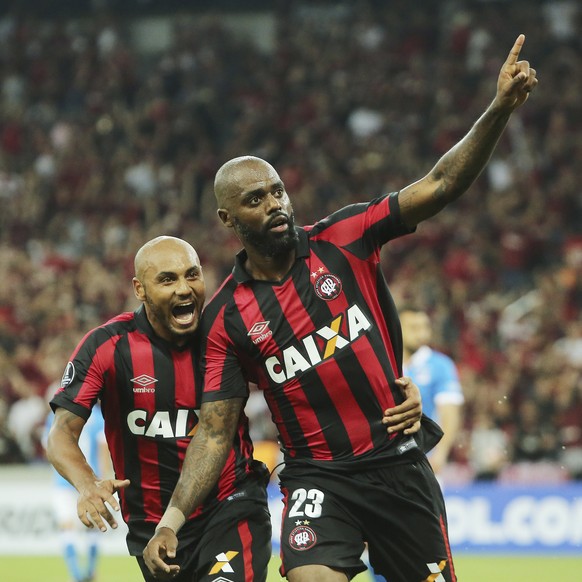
[307,316]
[143,367]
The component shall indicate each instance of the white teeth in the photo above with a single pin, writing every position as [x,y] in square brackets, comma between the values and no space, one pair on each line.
[184,313]
[185,318]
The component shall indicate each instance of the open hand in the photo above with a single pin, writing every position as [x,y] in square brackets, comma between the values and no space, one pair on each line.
[91,507]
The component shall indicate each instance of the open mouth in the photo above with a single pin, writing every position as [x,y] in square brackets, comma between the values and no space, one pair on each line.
[184,313]
[279,224]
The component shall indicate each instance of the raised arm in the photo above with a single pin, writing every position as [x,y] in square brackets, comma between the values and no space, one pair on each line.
[203,463]
[64,453]
[454,173]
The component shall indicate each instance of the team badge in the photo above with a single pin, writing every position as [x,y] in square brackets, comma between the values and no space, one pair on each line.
[68,375]
[302,538]
[328,287]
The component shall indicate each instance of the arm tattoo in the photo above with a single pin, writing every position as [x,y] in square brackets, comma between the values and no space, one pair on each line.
[207,453]
[461,165]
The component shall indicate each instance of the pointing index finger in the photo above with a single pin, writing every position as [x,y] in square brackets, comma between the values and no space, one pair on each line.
[515,50]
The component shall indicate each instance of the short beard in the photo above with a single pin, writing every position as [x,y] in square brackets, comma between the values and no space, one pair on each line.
[267,243]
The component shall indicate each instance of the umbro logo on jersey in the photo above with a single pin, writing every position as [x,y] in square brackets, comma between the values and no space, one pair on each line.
[143,383]
[223,563]
[260,331]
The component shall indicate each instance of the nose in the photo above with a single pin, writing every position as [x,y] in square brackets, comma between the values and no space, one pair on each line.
[272,203]
[183,288]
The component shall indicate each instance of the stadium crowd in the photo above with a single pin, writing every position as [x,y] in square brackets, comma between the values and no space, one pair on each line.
[104,146]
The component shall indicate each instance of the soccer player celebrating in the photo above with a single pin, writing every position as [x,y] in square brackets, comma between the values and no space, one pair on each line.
[307,316]
[143,368]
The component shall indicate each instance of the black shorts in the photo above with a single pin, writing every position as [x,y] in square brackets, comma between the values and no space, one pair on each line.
[234,544]
[397,509]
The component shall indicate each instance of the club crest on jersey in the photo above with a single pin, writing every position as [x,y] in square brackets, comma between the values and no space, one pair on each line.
[302,538]
[68,375]
[328,286]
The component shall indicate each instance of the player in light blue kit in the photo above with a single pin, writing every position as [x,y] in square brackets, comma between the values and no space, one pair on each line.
[436,376]
[76,539]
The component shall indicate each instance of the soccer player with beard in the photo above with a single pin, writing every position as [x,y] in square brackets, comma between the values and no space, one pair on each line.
[307,316]
[143,367]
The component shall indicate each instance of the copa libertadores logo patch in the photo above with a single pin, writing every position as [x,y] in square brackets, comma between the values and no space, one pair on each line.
[68,375]
[328,286]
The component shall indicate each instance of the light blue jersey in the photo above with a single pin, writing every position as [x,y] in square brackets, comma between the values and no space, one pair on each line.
[437,378]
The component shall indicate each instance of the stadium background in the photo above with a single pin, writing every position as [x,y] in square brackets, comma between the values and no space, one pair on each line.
[114,117]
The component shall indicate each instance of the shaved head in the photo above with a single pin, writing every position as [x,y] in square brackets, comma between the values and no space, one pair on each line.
[169,282]
[230,175]
[252,200]
[147,256]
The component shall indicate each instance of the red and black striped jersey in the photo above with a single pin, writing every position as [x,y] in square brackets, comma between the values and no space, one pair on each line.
[324,344]
[149,392]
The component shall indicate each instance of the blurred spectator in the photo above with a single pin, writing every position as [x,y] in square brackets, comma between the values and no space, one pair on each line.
[104,145]
[489,448]
[535,437]
[9,449]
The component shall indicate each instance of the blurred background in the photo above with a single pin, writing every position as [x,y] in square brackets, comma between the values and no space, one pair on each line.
[114,117]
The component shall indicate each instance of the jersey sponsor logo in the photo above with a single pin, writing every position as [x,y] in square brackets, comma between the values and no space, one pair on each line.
[144,383]
[223,563]
[328,287]
[163,424]
[260,331]
[302,538]
[436,570]
[318,346]
[68,375]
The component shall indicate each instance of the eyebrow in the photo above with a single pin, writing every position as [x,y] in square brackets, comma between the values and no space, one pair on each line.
[256,191]
[163,274]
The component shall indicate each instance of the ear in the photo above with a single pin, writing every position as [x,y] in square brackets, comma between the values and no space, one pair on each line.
[138,289]
[224,217]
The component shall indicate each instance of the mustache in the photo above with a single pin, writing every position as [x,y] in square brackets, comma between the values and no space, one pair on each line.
[288,218]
